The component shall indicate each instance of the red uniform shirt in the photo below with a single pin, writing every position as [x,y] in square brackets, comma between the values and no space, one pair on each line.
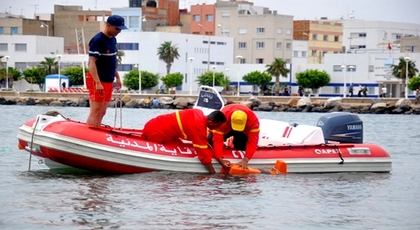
[189,124]
[252,130]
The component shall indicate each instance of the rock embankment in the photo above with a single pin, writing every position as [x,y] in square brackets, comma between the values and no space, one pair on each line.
[292,104]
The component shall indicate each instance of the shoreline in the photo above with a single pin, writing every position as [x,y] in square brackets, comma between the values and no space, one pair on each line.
[257,103]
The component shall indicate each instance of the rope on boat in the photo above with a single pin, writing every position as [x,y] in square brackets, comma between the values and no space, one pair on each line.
[56,113]
[118,101]
[32,143]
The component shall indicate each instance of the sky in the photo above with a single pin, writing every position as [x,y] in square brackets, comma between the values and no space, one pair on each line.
[407,11]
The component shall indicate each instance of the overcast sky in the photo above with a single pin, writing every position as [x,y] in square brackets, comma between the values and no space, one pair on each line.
[371,10]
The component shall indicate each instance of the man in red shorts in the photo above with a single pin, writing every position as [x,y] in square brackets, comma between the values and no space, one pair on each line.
[189,124]
[103,69]
[241,130]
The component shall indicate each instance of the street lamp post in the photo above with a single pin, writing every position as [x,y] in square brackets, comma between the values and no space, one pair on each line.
[407,59]
[7,71]
[214,68]
[239,57]
[208,53]
[59,56]
[345,83]
[138,68]
[190,78]
[48,28]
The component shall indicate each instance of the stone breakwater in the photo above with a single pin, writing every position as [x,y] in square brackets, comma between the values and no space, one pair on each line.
[269,104]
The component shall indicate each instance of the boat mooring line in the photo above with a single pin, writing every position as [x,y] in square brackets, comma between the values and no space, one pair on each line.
[32,143]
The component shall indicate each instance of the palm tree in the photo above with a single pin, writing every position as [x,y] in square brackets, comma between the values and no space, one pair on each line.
[168,53]
[49,65]
[277,68]
[399,71]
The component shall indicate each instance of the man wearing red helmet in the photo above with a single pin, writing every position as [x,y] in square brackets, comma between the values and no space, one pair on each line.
[242,130]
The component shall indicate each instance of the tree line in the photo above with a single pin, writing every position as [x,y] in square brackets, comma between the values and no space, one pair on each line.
[167,52]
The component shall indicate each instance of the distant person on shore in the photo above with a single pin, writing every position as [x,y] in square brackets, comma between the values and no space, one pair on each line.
[417,96]
[188,124]
[300,91]
[383,91]
[103,69]
[359,94]
[351,88]
[162,88]
[365,90]
[63,84]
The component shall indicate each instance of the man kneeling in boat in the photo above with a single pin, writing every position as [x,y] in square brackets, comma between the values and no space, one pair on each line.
[189,124]
[241,131]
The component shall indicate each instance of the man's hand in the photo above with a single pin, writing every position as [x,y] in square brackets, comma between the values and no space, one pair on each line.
[224,163]
[244,163]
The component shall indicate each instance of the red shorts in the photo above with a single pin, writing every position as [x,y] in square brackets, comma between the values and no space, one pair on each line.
[94,95]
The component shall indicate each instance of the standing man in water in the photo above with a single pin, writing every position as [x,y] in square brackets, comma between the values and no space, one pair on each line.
[103,69]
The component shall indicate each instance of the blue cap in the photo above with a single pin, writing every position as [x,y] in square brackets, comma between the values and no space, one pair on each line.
[117,21]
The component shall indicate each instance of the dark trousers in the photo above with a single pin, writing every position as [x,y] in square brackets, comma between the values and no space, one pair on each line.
[239,139]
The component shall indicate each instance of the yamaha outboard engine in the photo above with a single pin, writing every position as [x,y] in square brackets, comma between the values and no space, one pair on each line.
[341,127]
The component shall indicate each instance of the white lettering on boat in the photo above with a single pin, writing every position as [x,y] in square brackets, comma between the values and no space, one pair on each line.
[241,154]
[152,147]
[354,127]
[327,151]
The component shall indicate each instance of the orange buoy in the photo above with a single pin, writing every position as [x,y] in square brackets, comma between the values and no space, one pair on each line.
[236,169]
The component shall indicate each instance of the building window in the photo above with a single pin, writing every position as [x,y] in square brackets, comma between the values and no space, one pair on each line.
[221,43]
[409,48]
[288,31]
[209,17]
[325,37]
[260,30]
[398,36]
[260,60]
[196,18]
[225,32]
[279,30]
[362,35]
[314,36]
[279,45]
[3,46]
[128,46]
[134,22]
[124,67]
[361,47]
[304,54]
[313,54]
[20,47]
[225,14]
[288,46]
[371,68]
[242,30]
[1,30]
[242,45]
[336,38]
[260,45]
[14,30]
[336,90]
[338,68]
[242,61]
[295,54]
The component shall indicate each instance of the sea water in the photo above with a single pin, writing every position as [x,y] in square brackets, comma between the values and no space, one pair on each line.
[44,199]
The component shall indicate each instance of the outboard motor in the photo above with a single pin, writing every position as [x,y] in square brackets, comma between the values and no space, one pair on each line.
[341,127]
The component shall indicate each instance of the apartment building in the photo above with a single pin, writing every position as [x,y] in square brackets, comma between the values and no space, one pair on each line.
[260,35]
[323,37]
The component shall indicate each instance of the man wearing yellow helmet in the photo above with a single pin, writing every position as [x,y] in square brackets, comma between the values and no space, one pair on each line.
[241,130]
